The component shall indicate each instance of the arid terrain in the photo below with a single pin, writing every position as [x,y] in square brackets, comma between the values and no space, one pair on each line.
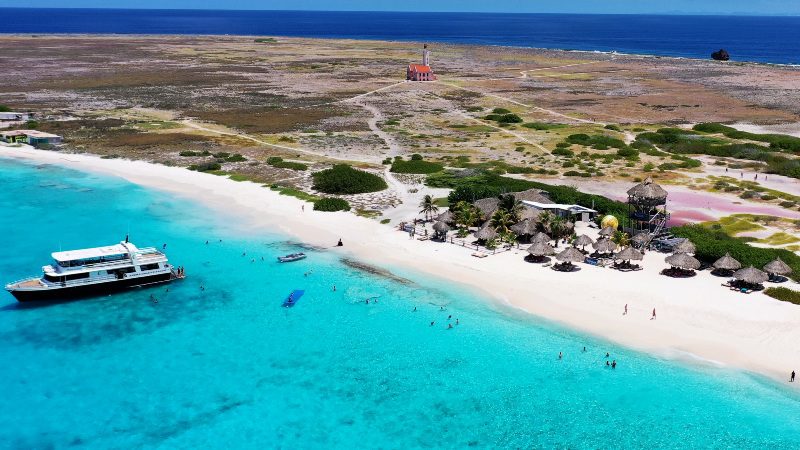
[317,102]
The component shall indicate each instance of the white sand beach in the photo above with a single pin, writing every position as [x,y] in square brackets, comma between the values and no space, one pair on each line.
[697,318]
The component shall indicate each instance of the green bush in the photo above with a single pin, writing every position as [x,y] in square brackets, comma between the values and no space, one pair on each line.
[561,151]
[776,141]
[768,197]
[542,126]
[628,152]
[612,127]
[31,125]
[784,294]
[221,155]
[416,157]
[713,244]
[277,161]
[416,166]
[575,173]
[331,204]
[205,167]
[236,158]
[191,153]
[4,108]
[343,179]
[500,111]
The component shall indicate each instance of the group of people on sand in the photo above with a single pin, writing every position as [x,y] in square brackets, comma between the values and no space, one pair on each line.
[652,317]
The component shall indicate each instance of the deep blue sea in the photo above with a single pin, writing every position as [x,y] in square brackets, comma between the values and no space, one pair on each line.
[760,39]
[227,367]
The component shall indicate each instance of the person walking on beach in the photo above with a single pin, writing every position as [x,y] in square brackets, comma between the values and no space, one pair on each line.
[654,314]
[339,244]
[791,380]
[626,310]
[303,207]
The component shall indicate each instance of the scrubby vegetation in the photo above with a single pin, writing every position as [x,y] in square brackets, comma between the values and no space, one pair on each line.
[205,167]
[331,204]
[775,141]
[343,179]
[784,294]
[597,141]
[415,165]
[542,126]
[4,108]
[191,153]
[504,118]
[712,244]
[277,161]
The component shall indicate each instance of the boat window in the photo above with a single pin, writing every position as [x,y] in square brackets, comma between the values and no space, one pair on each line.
[148,267]
[77,276]
[52,278]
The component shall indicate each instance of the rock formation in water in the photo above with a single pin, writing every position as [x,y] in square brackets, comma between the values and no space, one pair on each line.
[721,55]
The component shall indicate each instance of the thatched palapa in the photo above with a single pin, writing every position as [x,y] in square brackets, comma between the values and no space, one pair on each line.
[629,254]
[751,275]
[685,246]
[604,246]
[526,227]
[777,267]
[582,241]
[486,232]
[641,238]
[447,217]
[570,254]
[727,262]
[533,195]
[541,249]
[487,206]
[441,227]
[541,237]
[648,192]
[683,261]
[607,231]
[530,213]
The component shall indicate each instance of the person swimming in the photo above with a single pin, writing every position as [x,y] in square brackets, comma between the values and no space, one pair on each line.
[614,364]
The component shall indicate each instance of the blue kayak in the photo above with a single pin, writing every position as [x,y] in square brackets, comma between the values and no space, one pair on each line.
[292,299]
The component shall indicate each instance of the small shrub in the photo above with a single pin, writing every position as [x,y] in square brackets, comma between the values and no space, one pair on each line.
[416,157]
[612,127]
[560,151]
[331,204]
[784,294]
[205,167]
[31,125]
[236,158]
[768,197]
[500,111]
[277,161]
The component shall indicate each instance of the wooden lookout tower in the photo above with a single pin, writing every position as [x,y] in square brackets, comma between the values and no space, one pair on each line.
[647,206]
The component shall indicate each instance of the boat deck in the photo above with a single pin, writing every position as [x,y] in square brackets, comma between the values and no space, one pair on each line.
[29,284]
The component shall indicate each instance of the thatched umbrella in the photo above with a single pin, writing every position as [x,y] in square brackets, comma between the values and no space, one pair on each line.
[582,241]
[604,246]
[683,261]
[487,206]
[629,254]
[608,231]
[777,267]
[684,246]
[526,227]
[541,237]
[447,217]
[486,232]
[530,213]
[441,228]
[640,238]
[540,249]
[727,262]
[751,275]
[570,254]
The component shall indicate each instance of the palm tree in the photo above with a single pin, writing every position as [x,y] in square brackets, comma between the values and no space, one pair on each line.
[544,220]
[558,228]
[510,203]
[501,220]
[621,238]
[465,215]
[428,207]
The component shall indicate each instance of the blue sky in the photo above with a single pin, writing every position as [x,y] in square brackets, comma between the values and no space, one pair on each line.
[760,7]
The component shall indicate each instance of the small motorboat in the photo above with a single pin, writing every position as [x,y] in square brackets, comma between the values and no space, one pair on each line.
[291,257]
[292,299]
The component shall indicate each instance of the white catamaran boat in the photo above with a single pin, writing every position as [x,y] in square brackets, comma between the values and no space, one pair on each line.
[96,271]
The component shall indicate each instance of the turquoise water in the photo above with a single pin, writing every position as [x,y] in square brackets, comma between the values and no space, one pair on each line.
[228,367]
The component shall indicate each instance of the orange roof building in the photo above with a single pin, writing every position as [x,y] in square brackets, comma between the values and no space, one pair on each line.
[421,72]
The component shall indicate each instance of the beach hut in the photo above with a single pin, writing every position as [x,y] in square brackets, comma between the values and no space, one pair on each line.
[582,241]
[486,233]
[749,278]
[683,265]
[539,250]
[726,265]
[777,268]
[487,206]
[524,228]
[440,229]
[604,246]
[607,232]
[684,246]
[530,213]
[533,195]
[627,255]
[447,217]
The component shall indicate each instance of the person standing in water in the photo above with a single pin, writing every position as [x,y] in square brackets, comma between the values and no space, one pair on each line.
[791,380]
[560,355]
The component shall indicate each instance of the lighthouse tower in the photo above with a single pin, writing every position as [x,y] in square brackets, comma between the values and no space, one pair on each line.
[421,72]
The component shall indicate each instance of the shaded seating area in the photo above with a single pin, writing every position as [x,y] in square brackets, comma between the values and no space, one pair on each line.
[639,240]
[567,258]
[440,230]
[603,248]
[524,229]
[682,265]
[539,252]
[607,232]
[725,266]
[747,280]
[624,257]
[582,241]
[776,271]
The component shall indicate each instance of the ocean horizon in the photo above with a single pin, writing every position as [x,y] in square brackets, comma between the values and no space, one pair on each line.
[762,39]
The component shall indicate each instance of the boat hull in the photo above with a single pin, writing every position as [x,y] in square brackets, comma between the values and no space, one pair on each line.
[89,290]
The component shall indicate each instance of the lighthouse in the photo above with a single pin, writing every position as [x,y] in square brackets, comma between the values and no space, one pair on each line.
[421,72]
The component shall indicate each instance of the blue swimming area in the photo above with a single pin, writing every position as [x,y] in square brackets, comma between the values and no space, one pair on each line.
[229,367]
[747,38]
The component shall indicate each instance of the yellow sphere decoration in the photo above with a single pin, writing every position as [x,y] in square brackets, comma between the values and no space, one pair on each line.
[609,221]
